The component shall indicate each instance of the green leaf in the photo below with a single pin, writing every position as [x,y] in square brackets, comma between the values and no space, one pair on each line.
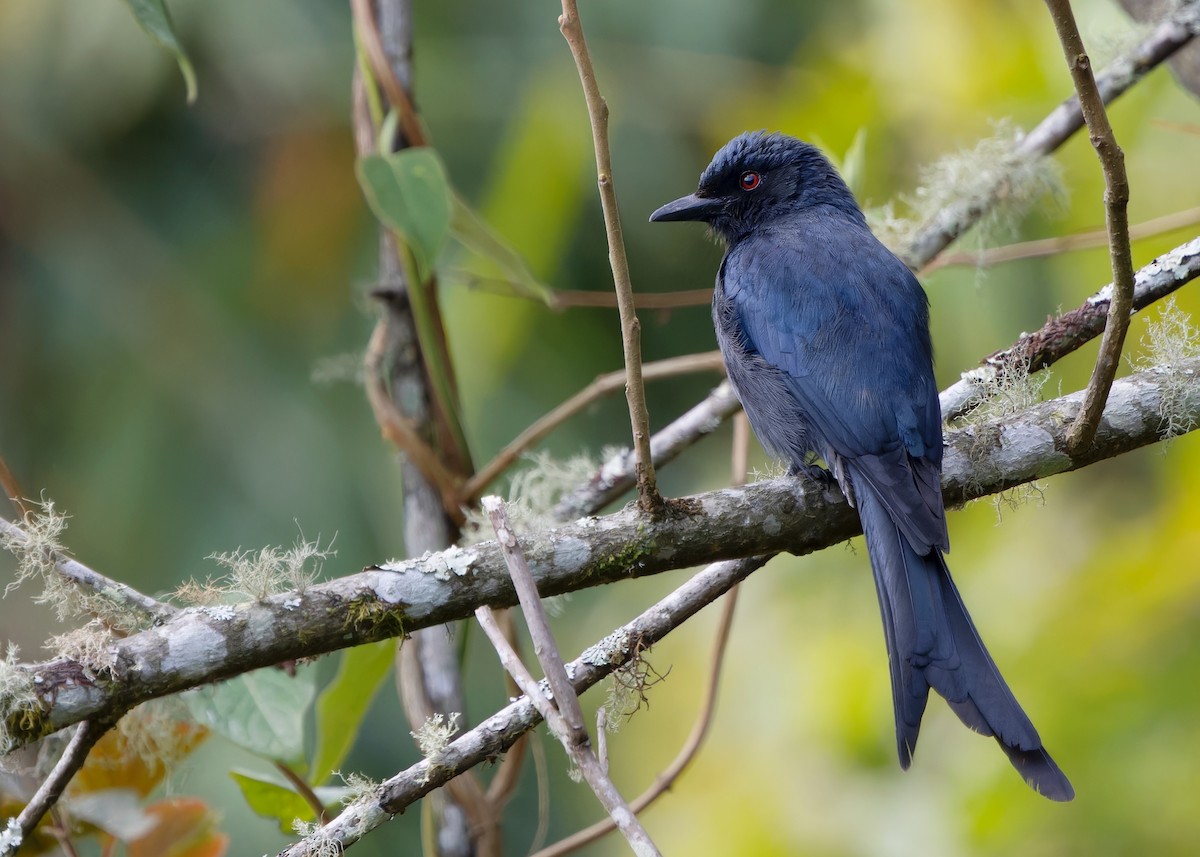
[408,191]
[344,702]
[854,164]
[474,233]
[262,712]
[276,799]
[153,17]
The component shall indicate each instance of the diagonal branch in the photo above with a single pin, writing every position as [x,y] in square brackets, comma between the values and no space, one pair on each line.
[774,515]
[1171,34]
[48,793]
[618,474]
[1116,216]
[1065,333]
[120,594]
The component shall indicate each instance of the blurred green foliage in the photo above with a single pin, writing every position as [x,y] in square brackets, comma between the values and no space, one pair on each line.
[173,278]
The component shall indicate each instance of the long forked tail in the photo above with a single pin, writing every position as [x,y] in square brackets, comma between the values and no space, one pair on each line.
[933,643]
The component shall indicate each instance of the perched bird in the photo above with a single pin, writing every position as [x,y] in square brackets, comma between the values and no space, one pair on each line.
[825,335]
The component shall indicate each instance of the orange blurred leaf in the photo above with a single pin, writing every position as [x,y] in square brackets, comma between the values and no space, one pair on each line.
[185,828]
[113,765]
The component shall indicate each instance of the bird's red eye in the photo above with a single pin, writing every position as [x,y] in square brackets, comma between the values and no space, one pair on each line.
[750,180]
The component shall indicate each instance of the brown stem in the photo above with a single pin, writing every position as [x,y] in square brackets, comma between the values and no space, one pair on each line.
[639,416]
[1062,244]
[368,35]
[1116,202]
[565,299]
[305,791]
[400,430]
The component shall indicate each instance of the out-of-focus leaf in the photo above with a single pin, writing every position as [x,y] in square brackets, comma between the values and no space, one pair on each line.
[185,828]
[154,18]
[408,191]
[855,162]
[474,233]
[344,702]
[851,165]
[271,798]
[112,765]
[117,812]
[262,711]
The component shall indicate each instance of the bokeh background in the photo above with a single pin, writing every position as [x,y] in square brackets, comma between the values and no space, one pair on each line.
[179,284]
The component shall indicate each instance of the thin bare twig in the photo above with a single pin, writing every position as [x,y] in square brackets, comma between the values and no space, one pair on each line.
[602,386]
[567,298]
[572,29]
[1062,244]
[48,793]
[118,593]
[63,835]
[565,719]
[1116,202]
[544,645]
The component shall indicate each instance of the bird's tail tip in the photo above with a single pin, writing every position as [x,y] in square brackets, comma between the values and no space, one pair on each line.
[1041,772]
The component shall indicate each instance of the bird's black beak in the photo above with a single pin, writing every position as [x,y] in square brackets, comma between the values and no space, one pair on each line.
[691,207]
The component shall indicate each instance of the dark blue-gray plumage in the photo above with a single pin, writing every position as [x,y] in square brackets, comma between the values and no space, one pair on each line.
[825,335]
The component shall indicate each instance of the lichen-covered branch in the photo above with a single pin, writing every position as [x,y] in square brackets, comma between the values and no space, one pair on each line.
[1171,34]
[1063,334]
[208,644]
[500,731]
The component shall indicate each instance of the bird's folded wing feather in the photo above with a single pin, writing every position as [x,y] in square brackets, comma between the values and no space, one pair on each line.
[851,337]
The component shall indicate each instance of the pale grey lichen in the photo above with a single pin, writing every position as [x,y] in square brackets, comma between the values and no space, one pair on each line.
[533,493]
[1008,390]
[219,612]
[435,734]
[319,841]
[611,651]
[38,548]
[18,696]
[11,837]
[271,570]
[1169,344]
[992,177]
[92,646]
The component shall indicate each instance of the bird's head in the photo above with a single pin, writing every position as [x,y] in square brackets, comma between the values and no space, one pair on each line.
[757,178]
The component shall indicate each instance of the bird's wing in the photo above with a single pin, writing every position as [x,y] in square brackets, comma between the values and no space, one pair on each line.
[847,324]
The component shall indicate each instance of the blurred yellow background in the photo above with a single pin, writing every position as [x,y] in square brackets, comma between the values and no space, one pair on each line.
[177,285]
